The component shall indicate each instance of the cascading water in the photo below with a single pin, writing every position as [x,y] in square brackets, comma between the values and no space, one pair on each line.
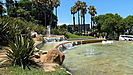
[48,31]
[53,39]
[65,46]
[50,42]
[69,45]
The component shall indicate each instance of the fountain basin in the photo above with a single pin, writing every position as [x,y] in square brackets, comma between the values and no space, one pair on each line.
[71,44]
[108,59]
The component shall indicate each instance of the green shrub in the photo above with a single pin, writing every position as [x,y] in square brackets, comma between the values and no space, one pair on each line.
[11,27]
[72,36]
[77,33]
[54,31]
[21,50]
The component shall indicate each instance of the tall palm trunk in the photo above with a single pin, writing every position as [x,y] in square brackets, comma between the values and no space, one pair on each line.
[91,23]
[45,17]
[1,9]
[56,11]
[78,22]
[51,17]
[56,15]
[81,24]
[84,23]
[74,21]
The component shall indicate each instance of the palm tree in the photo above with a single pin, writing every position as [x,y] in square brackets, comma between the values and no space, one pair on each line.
[53,4]
[2,10]
[92,12]
[78,7]
[42,5]
[48,5]
[56,4]
[73,11]
[83,12]
[9,5]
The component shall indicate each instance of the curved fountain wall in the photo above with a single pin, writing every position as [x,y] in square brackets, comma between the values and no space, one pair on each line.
[67,45]
[71,44]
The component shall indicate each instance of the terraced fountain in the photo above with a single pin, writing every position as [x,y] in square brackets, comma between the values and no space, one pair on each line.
[63,45]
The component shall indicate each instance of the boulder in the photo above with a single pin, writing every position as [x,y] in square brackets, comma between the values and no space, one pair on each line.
[54,56]
[33,34]
[42,57]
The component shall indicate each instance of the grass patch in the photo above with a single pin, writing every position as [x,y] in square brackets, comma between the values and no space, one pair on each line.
[72,36]
[16,70]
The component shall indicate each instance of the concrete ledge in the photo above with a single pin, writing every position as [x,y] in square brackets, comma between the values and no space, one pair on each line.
[79,42]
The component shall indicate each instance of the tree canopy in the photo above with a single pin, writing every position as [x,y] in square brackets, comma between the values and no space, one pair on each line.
[112,24]
[37,11]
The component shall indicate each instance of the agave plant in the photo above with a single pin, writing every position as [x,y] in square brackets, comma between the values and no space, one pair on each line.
[21,50]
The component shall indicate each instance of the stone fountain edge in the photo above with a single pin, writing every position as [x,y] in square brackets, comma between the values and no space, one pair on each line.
[82,42]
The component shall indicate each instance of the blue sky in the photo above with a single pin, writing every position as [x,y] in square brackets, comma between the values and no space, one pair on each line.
[122,7]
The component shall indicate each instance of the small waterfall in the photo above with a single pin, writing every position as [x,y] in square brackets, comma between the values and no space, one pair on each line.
[58,39]
[54,39]
[68,45]
[81,42]
[76,43]
[60,48]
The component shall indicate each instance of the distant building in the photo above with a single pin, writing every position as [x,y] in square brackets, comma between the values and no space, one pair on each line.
[81,27]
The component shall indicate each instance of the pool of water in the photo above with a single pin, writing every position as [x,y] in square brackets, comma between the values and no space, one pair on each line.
[99,59]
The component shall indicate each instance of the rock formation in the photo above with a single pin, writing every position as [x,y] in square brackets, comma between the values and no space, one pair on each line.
[54,56]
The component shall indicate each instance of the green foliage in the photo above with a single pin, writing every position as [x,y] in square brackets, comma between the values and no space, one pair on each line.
[28,10]
[114,24]
[92,10]
[77,33]
[11,27]
[59,31]
[63,26]
[109,23]
[55,31]
[21,50]
[34,71]
[128,21]
[72,36]
[2,9]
